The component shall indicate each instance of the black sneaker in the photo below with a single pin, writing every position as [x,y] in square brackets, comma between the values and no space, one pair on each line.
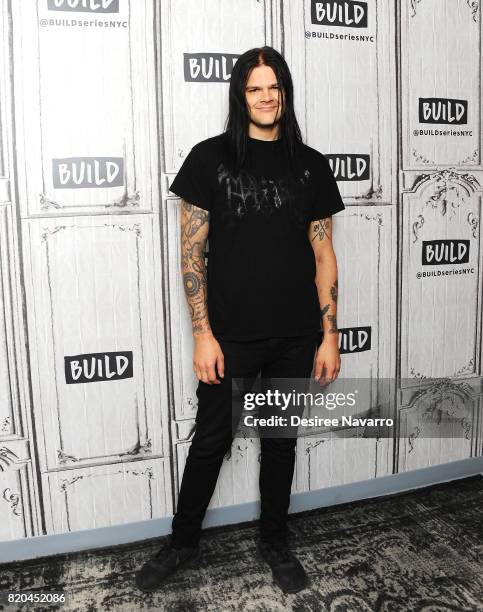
[164,563]
[287,571]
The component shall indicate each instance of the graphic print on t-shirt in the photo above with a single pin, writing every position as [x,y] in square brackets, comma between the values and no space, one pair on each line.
[246,192]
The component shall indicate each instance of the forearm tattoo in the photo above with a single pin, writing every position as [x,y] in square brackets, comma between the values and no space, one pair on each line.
[321,229]
[195,220]
[332,318]
[333,324]
[334,291]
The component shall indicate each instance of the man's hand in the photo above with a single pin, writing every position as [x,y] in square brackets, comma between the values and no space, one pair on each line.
[208,358]
[327,362]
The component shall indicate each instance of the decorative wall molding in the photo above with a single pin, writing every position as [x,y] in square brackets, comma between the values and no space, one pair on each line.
[13,499]
[7,458]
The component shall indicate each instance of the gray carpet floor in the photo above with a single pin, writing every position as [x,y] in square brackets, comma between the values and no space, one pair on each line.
[419,551]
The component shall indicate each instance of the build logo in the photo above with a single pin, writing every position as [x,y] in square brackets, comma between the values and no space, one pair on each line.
[84,6]
[208,67]
[341,14]
[443,252]
[443,110]
[354,339]
[349,167]
[96,367]
[82,172]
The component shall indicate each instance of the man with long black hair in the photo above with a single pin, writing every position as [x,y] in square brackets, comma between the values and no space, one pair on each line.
[264,200]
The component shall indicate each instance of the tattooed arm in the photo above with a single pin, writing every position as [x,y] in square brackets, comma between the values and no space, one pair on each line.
[194,233]
[328,357]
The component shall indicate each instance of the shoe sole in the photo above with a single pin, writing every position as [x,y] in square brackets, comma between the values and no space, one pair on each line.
[282,588]
[184,564]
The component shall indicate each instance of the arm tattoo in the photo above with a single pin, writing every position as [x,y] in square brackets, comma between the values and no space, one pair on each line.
[191,284]
[333,324]
[334,290]
[194,220]
[197,217]
[321,229]
[331,317]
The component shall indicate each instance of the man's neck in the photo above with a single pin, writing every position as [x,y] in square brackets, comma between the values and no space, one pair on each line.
[268,133]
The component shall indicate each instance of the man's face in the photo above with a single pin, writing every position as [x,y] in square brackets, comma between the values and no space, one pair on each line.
[264,97]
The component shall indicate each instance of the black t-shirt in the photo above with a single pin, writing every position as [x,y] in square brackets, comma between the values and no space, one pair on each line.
[261,265]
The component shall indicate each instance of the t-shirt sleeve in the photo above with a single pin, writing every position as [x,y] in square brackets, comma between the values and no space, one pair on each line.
[192,181]
[327,200]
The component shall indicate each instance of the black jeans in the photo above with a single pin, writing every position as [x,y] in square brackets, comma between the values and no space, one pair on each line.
[272,357]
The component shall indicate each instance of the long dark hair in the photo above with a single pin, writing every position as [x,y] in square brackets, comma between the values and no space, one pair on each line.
[238,120]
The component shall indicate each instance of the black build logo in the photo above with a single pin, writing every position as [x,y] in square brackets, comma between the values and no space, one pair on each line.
[208,67]
[81,172]
[84,6]
[337,13]
[443,110]
[97,367]
[350,167]
[354,339]
[439,252]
